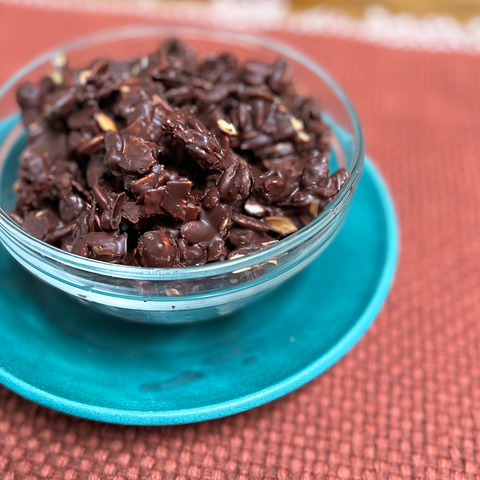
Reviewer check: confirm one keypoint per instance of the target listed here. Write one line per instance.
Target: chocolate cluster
(170, 160)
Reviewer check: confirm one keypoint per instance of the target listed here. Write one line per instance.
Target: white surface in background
(400, 31)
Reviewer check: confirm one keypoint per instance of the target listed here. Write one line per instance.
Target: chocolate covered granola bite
(170, 160)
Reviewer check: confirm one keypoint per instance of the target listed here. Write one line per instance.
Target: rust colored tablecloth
(405, 402)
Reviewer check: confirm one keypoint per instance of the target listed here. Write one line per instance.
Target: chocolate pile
(170, 160)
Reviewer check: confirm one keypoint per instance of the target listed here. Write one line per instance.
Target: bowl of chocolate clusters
(173, 174)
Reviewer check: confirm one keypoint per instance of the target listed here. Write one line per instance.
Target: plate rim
(252, 400)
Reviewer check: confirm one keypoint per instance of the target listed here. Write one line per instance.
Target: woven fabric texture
(405, 402)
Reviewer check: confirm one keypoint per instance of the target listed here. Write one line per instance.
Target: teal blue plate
(62, 354)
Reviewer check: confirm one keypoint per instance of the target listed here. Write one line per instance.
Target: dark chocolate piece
(157, 249)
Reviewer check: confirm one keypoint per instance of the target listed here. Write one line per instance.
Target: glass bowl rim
(152, 273)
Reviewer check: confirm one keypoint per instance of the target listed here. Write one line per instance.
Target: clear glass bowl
(174, 295)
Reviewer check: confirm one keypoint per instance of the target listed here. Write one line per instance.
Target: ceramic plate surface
(67, 356)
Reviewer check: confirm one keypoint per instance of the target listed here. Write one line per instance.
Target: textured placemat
(405, 402)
